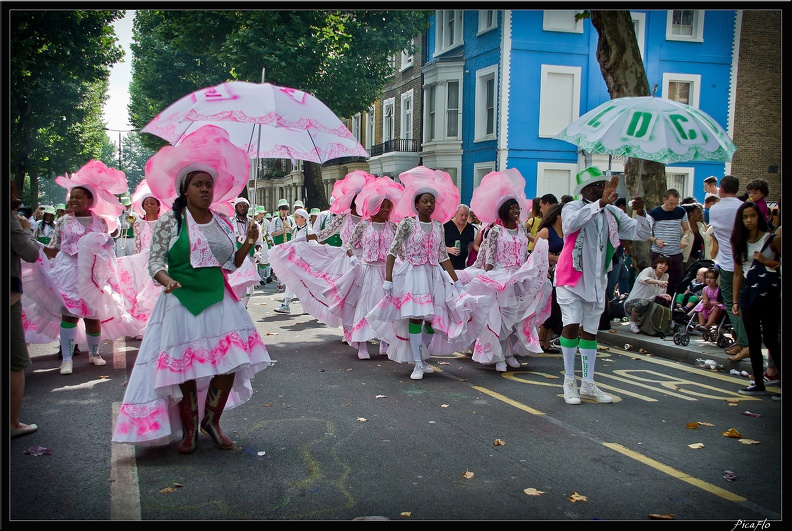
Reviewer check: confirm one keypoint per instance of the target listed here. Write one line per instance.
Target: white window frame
(448, 38)
(435, 98)
(694, 97)
(431, 112)
(407, 110)
(698, 26)
(485, 25)
(392, 61)
(548, 106)
(407, 57)
(688, 173)
(458, 111)
(572, 170)
(480, 169)
(371, 126)
(552, 21)
(639, 22)
(482, 77)
(356, 129)
(388, 129)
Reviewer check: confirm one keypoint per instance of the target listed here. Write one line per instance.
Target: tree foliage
(339, 56)
(60, 66)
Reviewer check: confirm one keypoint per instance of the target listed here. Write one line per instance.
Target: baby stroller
(686, 323)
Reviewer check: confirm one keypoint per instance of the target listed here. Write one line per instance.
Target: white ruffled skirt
(178, 347)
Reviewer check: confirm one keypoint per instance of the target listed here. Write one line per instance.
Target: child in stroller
(685, 322)
(711, 304)
(685, 302)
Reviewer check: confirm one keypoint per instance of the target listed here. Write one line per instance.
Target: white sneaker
(97, 360)
(590, 390)
(418, 371)
(284, 308)
(500, 366)
(66, 367)
(571, 395)
(512, 362)
(427, 368)
(634, 328)
(363, 355)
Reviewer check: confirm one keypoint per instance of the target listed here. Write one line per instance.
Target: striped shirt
(667, 226)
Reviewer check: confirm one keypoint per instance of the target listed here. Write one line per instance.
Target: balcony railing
(403, 145)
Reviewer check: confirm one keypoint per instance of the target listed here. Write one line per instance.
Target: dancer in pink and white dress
(137, 285)
(360, 289)
(81, 273)
(517, 284)
(200, 341)
(420, 286)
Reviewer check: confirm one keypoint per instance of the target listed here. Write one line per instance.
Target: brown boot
(188, 412)
(215, 403)
(744, 353)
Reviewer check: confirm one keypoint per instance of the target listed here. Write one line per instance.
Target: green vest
(335, 239)
(277, 240)
(201, 286)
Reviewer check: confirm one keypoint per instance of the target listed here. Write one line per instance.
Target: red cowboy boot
(188, 412)
(215, 403)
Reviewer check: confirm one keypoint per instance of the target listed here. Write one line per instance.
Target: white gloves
(257, 257)
(388, 287)
(354, 260)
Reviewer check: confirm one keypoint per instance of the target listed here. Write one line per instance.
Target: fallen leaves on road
(577, 497)
(406, 513)
(381, 396)
(499, 442)
(443, 405)
(172, 488)
(732, 433)
(661, 516)
(533, 492)
(696, 446)
(692, 425)
(643, 351)
(361, 419)
(467, 474)
(748, 441)
(272, 333)
(36, 451)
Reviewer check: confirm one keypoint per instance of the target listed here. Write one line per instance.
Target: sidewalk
(619, 335)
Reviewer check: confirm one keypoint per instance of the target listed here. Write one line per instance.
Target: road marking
(124, 487)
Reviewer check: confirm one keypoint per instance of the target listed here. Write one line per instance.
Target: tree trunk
(623, 71)
(314, 188)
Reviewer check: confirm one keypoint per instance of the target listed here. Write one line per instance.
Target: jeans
(726, 282)
(762, 322)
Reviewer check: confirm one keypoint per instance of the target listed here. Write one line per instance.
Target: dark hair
(661, 259)
(689, 200)
(743, 197)
(739, 235)
(180, 202)
(566, 199)
(714, 271)
(671, 192)
(535, 208)
(691, 207)
(620, 201)
(730, 184)
(711, 179)
(710, 199)
(151, 197)
(503, 211)
(550, 216)
(549, 198)
(759, 185)
(415, 199)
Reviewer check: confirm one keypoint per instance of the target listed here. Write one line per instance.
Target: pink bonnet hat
(372, 195)
(495, 189)
(345, 190)
(143, 192)
(206, 149)
(103, 183)
(421, 180)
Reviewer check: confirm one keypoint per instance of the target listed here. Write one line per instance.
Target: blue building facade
(526, 74)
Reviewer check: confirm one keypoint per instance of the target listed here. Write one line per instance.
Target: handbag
(760, 282)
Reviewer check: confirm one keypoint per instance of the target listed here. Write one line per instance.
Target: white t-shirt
(721, 218)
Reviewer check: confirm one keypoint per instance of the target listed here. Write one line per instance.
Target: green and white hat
(299, 204)
(260, 209)
(60, 206)
(126, 200)
(283, 203)
(315, 211)
(268, 215)
(49, 209)
(589, 176)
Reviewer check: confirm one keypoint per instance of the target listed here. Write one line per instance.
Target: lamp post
(119, 131)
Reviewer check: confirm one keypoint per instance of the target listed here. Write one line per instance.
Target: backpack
(656, 321)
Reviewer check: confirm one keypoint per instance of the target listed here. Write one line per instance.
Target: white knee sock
(383, 348)
(93, 344)
(568, 350)
(415, 344)
(588, 357)
(67, 336)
